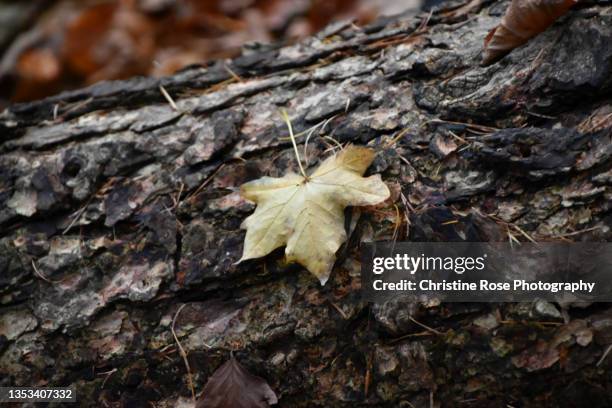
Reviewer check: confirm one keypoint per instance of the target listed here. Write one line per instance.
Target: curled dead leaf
(232, 386)
(307, 213)
(523, 20)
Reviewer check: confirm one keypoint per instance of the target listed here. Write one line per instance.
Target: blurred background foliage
(50, 46)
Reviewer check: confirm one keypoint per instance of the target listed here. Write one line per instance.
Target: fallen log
(119, 208)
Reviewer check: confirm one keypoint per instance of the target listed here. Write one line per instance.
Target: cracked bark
(115, 210)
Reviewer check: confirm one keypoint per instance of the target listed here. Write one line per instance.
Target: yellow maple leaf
(307, 213)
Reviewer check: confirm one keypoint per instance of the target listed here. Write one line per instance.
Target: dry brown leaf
(231, 386)
(307, 214)
(523, 20)
(109, 41)
(546, 353)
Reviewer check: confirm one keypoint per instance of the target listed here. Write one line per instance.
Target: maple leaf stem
(295, 149)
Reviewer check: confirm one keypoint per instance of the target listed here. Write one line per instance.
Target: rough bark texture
(116, 210)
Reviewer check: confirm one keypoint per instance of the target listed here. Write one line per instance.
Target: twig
(424, 23)
(77, 216)
(205, 182)
(398, 137)
(397, 224)
(458, 137)
(168, 97)
(412, 319)
(331, 139)
(232, 73)
(582, 231)
(540, 115)
(519, 229)
(182, 352)
(107, 374)
(311, 131)
(305, 132)
(407, 207)
(78, 105)
(43, 277)
(482, 128)
(177, 200)
(339, 310)
(512, 239)
(604, 355)
(591, 124)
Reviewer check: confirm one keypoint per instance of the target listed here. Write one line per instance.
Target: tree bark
(117, 208)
